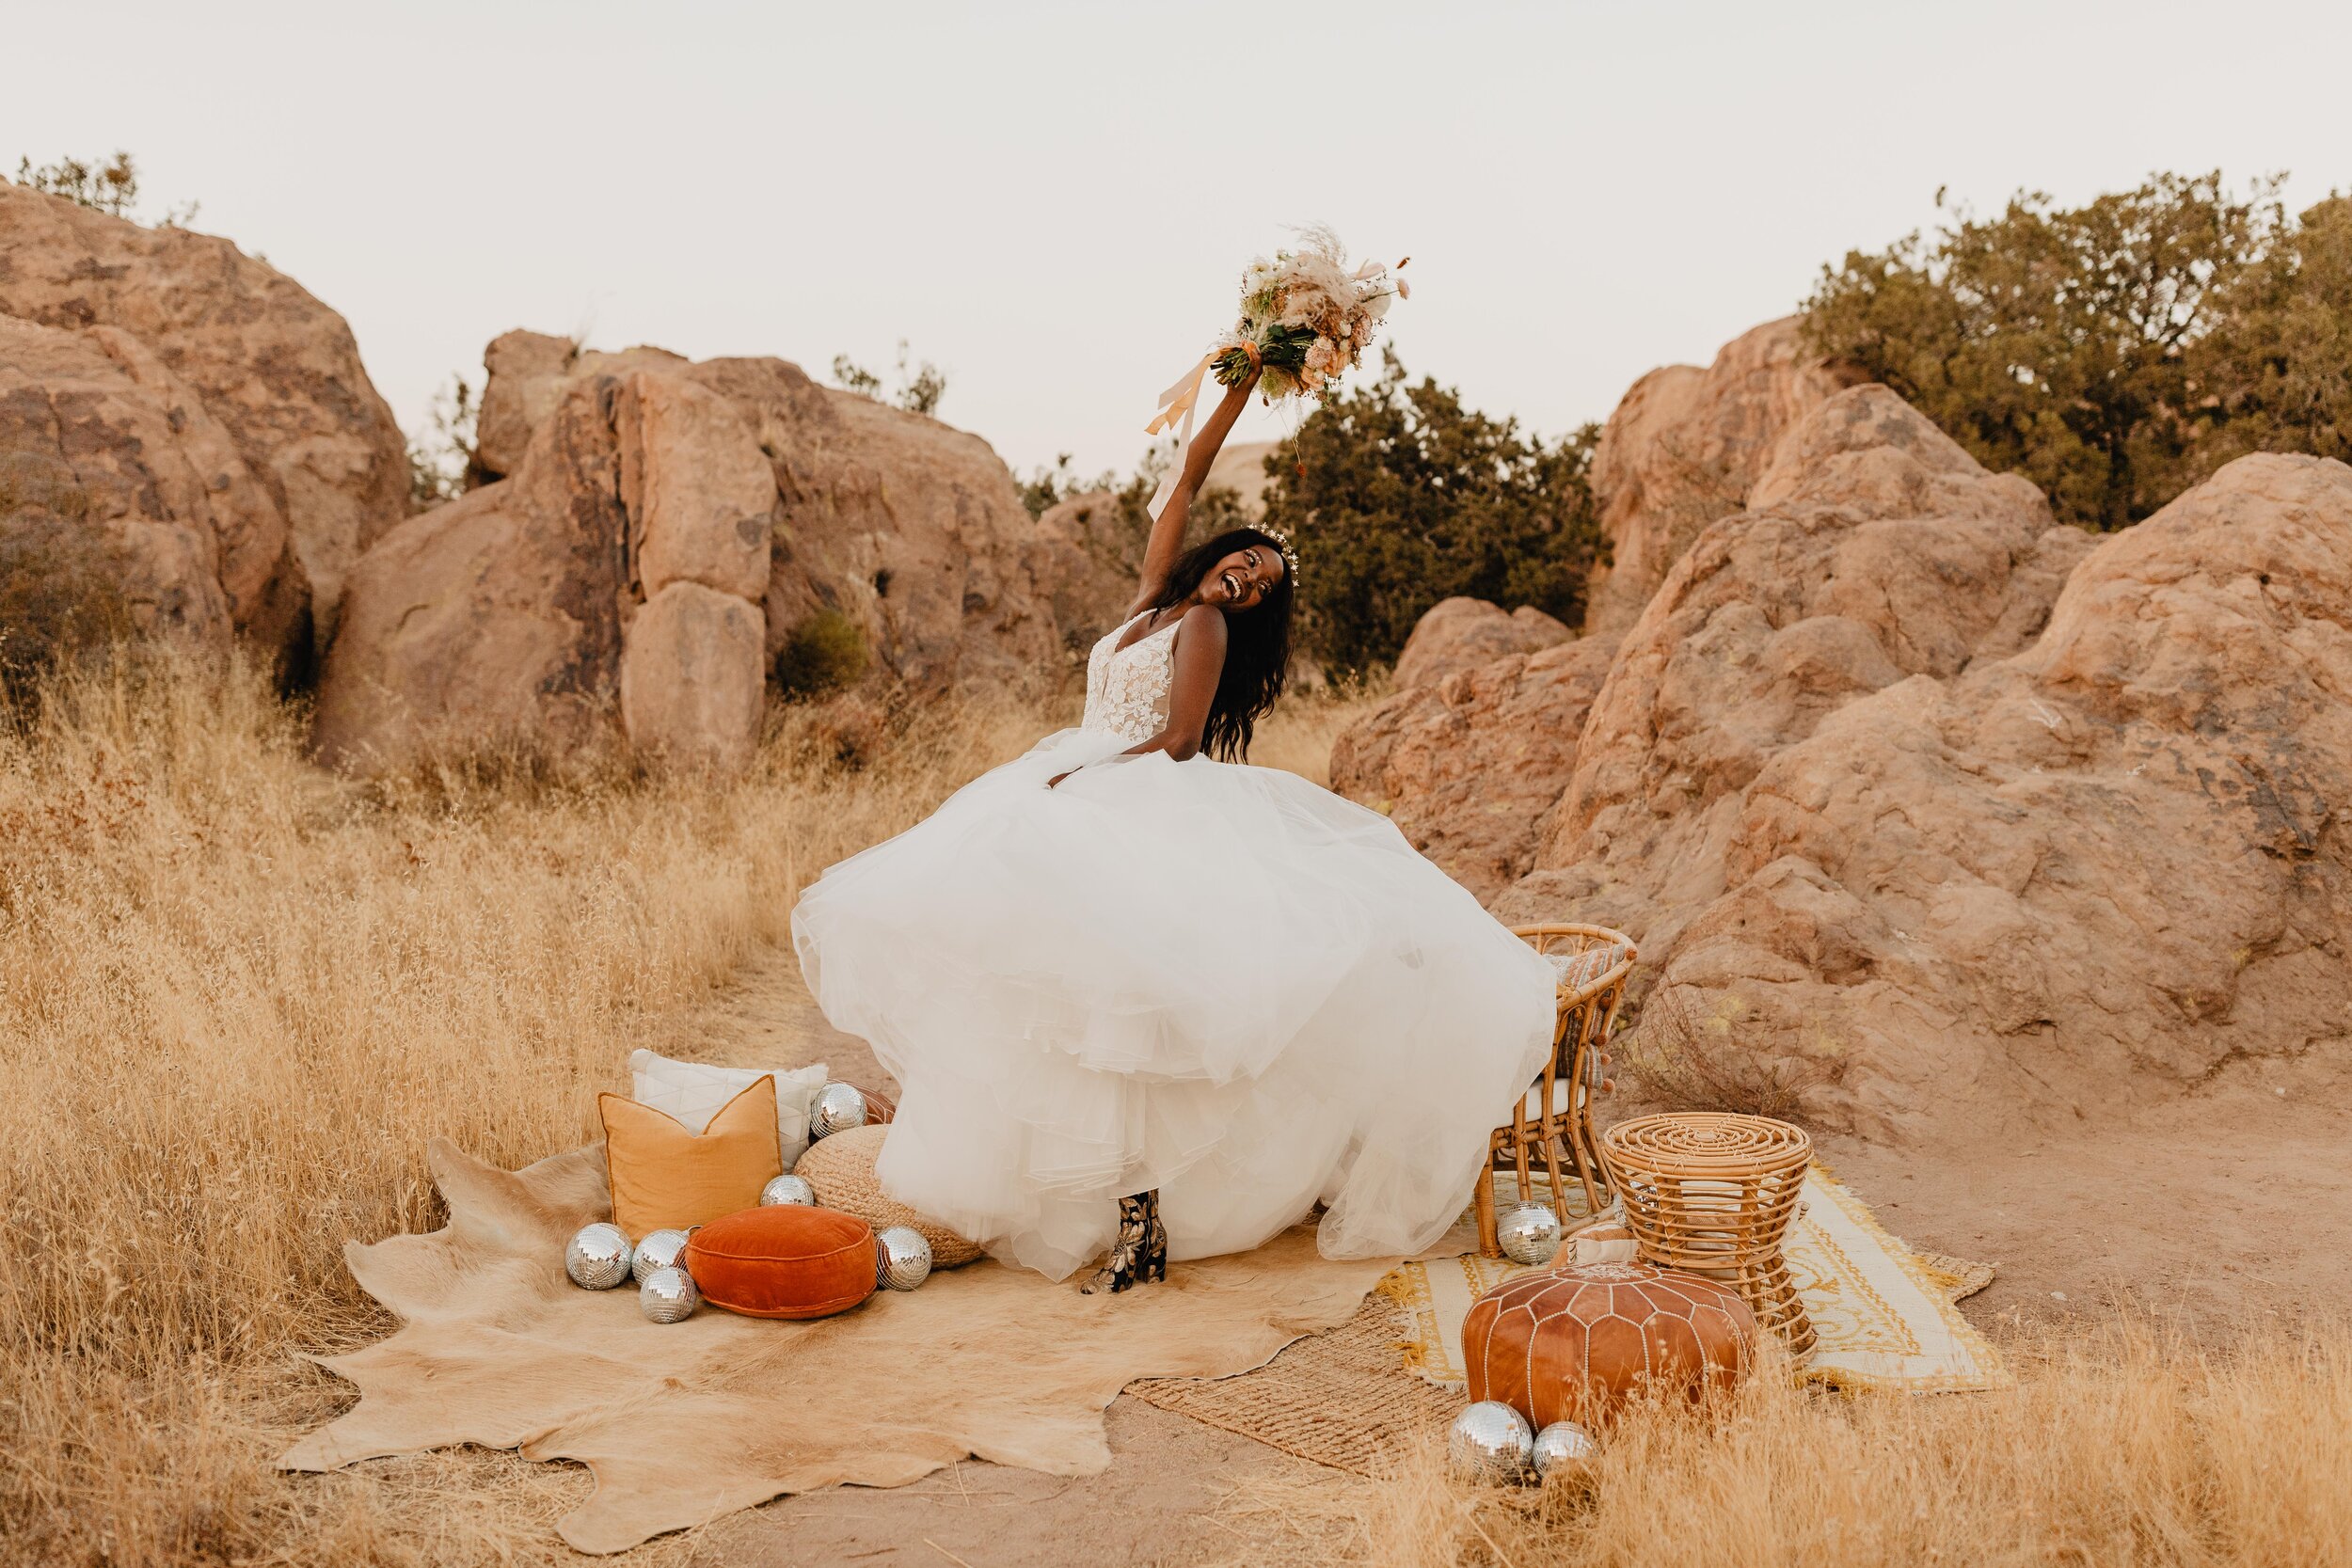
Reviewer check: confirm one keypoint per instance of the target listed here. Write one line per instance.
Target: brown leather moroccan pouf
(1572, 1344)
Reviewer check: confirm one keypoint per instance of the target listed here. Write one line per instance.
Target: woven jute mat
(1350, 1397)
(1343, 1397)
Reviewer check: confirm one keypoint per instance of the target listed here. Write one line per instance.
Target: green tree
(2073, 344)
(1398, 496)
(2281, 361)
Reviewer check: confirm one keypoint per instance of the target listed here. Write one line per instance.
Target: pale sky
(1054, 201)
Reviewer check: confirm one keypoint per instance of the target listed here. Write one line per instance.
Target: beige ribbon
(1178, 404)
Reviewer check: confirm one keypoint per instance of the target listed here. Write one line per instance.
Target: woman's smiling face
(1243, 578)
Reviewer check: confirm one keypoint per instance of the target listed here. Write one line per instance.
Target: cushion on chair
(784, 1260)
(664, 1177)
(694, 1092)
(1578, 969)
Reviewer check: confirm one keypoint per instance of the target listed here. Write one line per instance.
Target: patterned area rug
(1887, 1316)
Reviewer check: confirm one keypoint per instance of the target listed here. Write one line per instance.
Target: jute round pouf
(1714, 1192)
(841, 1169)
(1574, 1343)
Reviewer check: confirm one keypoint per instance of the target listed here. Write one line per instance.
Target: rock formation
(547, 603)
(1682, 449)
(1089, 556)
(265, 362)
(99, 438)
(1463, 633)
(1471, 765)
(1240, 466)
(495, 620)
(1874, 794)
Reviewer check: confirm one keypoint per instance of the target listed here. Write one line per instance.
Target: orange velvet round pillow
(784, 1260)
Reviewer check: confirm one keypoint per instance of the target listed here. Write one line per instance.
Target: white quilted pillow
(694, 1092)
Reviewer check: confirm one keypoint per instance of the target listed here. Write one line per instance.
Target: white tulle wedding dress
(1218, 981)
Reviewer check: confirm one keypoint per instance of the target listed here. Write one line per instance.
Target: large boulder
(1089, 559)
(1884, 804)
(102, 445)
(494, 621)
(1683, 448)
(273, 368)
(1462, 633)
(548, 604)
(913, 529)
(1240, 466)
(1471, 764)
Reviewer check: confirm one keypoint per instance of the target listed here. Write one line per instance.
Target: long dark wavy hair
(1257, 642)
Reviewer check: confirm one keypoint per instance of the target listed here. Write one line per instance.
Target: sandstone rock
(527, 374)
(1868, 808)
(694, 674)
(495, 620)
(1683, 448)
(1240, 466)
(275, 368)
(1470, 765)
(1889, 552)
(913, 529)
(1463, 633)
(97, 434)
(1087, 560)
(696, 486)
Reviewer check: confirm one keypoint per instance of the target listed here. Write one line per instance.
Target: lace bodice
(1127, 688)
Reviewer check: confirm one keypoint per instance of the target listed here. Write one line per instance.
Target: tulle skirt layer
(1218, 981)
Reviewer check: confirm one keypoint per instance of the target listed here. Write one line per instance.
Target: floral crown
(1282, 543)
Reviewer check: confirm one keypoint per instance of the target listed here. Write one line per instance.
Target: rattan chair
(1553, 1121)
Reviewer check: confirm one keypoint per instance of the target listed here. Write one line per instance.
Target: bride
(1143, 998)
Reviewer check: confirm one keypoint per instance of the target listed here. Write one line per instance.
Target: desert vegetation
(241, 992)
(2118, 1445)
(2118, 352)
(1401, 496)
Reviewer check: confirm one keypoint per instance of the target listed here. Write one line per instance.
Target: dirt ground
(2234, 1201)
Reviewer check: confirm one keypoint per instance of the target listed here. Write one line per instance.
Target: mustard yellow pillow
(664, 1177)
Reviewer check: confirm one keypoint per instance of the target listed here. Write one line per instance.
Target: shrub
(111, 186)
(2117, 352)
(825, 652)
(1398, 496)
(919, 391)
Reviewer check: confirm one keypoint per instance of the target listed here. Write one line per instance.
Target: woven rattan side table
(1714, 1194)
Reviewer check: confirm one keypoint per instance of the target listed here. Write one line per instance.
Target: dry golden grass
(2118, 1448)
(237, 994)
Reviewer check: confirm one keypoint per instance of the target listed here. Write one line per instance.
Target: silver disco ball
(598, 1256)
(668, 1296)
(1530, 1233)
(1491, 1443)
(902, 1258)
(1562, 1449)
(786, 1189)
(838, 1108)
(660, 1249)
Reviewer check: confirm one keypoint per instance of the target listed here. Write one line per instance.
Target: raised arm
(1168, 530)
